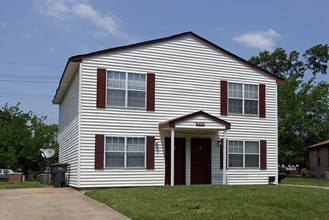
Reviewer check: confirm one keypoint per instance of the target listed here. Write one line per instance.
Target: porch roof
(199, 119)
(319, 145)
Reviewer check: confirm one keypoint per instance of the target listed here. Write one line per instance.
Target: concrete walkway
(307, 186)
(52, 204)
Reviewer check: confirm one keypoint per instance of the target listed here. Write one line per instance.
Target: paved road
(52, 204)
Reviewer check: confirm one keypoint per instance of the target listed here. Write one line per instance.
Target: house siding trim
(79, 121)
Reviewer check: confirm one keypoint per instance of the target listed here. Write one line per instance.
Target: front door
(180, 156)
(200, 161)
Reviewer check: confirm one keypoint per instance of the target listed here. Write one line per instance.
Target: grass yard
(217, 202)
(306, 181)
(26, 184)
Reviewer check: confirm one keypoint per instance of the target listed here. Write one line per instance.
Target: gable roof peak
(72, 61)
(79, 58)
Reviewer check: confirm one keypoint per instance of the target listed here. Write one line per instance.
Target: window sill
(128, 108)
(124, 168)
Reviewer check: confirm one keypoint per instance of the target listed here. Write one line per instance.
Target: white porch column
(172, 165)
(224, 158)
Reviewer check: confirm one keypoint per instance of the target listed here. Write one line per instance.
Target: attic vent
(271, 180)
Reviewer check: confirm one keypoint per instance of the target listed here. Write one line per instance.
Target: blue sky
(38, 36)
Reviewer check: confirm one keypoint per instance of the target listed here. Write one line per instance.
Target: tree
(303, 105)
(21, 137)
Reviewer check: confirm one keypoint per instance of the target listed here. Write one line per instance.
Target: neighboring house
(319, 159)
(55, 137)
(130, 114)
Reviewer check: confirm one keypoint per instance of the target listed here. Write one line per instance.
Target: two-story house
(175, 110)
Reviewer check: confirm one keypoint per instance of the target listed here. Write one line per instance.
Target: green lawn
(306, 181)
(217, 202)
(26, 184)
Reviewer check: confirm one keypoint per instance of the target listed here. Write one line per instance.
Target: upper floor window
(242, 98)
(126, 89)
(243, 154)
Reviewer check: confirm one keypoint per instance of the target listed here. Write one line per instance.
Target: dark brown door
(179, 161)
(200, 161)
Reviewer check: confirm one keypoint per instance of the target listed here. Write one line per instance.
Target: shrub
(5, 178)
(304, 172)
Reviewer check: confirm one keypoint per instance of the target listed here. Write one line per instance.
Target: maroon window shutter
(223, 97)
(150, 100)
(99, 151)
(263, 154)
(262, 101)
(150, 152)
(101, 87)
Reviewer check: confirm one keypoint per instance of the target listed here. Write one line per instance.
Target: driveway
(52, 203)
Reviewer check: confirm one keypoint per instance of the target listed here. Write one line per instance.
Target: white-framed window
(242, 98)
(126, 89)
(125, 152)
(244, 154)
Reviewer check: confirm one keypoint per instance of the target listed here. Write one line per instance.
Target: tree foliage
(21, 137)
(303, 105)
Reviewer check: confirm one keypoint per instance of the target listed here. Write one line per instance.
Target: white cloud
(52, 49)
(3, 24)
(56, 9)
(219, 29)
(105, 21)
(70, 9)
(259, 39)
(26, 35)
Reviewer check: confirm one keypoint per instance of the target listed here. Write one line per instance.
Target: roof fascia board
(64, 84)
(172, 123)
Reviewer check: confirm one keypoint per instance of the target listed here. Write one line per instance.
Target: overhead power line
(27, 81)
(24, 94)
(19, 97)
(27, 76)
(31, 64)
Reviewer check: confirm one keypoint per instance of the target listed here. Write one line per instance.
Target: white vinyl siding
(68, 130)
(187, 79)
